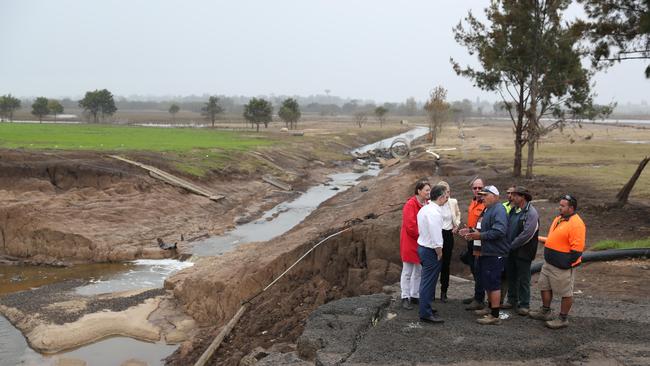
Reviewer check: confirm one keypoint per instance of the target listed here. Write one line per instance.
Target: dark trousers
(479, 292)
(447, 248)
(518, 270)
(430, 272)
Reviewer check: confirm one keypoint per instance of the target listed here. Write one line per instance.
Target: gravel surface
(601, 331)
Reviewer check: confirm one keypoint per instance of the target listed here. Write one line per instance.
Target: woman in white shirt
(450, 223)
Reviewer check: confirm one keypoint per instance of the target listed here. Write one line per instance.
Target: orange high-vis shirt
(474, 212)
(569, 235)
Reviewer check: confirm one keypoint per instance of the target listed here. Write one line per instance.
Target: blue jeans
(430, 271)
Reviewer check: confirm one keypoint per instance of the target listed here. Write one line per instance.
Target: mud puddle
(24, 277)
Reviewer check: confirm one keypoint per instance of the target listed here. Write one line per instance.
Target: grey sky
(382, 50)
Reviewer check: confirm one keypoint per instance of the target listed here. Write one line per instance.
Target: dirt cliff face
(84, 207)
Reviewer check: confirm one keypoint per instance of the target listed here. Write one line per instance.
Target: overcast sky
(384, 50)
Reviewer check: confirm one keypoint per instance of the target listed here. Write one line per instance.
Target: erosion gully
(140, 274)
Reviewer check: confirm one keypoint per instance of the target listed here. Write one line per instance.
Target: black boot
(443, 296)
(406, 304)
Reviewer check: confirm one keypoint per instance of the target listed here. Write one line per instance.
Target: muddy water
(281, 218)
(143, 273)
(19, 278)
(152, 273)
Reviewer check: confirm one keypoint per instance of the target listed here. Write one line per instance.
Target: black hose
(603, 255)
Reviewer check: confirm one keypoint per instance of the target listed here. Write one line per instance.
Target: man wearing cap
(474, 212)
(523, 232)
(562, 254)
(494, 249)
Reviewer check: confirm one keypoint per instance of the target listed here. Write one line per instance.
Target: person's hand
(473, 236)
(439, 253)
(454, 230)
(463, 232)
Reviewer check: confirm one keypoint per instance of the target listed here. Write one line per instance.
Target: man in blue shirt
(494, 250)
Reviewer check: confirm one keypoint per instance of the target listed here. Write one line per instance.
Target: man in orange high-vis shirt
(562, 254)
(474, 211)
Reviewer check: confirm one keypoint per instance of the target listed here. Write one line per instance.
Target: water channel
(152, 273)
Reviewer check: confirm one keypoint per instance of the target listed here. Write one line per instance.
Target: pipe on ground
(603, 255)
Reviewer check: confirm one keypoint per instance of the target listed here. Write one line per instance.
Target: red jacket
(408, 245)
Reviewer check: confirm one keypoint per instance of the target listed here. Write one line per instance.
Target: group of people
(502, 240)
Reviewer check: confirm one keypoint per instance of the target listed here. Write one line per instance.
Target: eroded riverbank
(21, 319)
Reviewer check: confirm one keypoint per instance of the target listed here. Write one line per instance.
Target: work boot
(523, 311)
(482, 312)
(406, 304)
(489, 320)
(475, 305)
(443, 297)
(506, 305)
(557, 323)
(542, 314)
(468, 300)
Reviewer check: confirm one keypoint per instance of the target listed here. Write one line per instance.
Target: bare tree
(437, 110)
(360, 118)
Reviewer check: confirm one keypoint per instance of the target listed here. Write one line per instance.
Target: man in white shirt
(430, 251)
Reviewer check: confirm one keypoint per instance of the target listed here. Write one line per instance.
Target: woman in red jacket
(408, 245)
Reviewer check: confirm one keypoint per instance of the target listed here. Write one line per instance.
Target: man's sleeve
(436, 226)
(530, 228)
(577, 236)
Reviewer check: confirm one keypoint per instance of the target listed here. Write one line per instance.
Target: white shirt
(450, 214)
(430, 226)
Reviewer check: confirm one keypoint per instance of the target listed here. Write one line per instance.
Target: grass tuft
(615, 244)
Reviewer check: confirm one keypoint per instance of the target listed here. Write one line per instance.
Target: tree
(531, 58)
(212, 109)
(290, 112)
(55, 107)
(437, 110)
(173, 109)
(258, 111)
(98, 102)
(380, 113)
(40, 108)
(461, 110)
(618, 30)
(360, 118)
(8, 104)
(411, 106)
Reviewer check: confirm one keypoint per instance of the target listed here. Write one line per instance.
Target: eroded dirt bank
(360, 261)
(87, 207)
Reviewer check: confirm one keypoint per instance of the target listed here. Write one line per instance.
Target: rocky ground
(374, 330)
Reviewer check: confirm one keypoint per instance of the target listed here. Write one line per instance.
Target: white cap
(489, 189)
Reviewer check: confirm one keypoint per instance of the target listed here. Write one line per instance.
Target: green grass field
(614, 244)
(111, 137)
